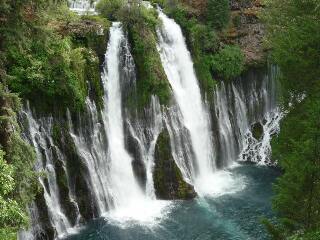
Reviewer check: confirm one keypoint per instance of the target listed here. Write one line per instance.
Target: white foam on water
(220, 183)
(150, 213)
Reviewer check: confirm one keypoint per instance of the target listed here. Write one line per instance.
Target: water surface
(234, 216)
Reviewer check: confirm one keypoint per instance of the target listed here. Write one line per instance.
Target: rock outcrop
(247, 30)
(168, 181)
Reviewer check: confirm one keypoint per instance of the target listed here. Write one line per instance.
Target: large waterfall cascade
(116, 189)
(204, 137)
(224, 137)
(178, 66)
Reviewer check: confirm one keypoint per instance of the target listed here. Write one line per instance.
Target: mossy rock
(168, 181)
(151, 77)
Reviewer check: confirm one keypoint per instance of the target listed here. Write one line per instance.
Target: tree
(297, 191)
(109, 8)
(218, 13)
(294, 37)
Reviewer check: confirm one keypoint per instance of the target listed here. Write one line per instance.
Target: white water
(129, 201)
(39, 135)
(124, 188)
(196, 145)
(82, 6)
(237, 107)
(147, 135)
(178, 66)
(91, 146)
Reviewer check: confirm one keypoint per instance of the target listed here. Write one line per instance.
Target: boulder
(168, 180)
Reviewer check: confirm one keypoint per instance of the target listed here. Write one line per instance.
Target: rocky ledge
(247, 30)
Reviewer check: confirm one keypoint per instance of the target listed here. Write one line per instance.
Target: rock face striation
(247, 30)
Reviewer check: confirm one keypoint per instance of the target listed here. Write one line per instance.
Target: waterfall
(178, 66)
(124, 189)
(201, 143)
(127, 199)
(82, 6)
(237, 107)
(204, 136)
(146, 135)
(40, 137)
(91, 145)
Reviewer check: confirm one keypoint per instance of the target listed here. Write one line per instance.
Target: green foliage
(109, 8)
(203, 38)
(52, 56)
(218, 13)
(18, 181)
(11, 213)
(293, 34)
(8, 234)
(6, 179)
(138, 15)
(228, 62)
(48, 69)
(297, 201)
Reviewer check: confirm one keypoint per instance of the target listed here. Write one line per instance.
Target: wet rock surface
(247, 30)
(168, 180)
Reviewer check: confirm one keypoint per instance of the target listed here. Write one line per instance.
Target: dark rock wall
(168, 181)
(247, 30)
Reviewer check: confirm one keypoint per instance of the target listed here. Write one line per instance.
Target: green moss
(92, 76)
(168, 180)
(151, 78)
(141, 25)
(8, 233)
(55, 57)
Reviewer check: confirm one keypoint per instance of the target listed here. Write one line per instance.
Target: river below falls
(234, 215)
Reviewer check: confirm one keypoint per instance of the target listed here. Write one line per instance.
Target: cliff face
(247, 30)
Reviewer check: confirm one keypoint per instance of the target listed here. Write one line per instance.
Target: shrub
(109, 8)
(48, 69)
(18, 181)
(203, 38)
(228, 63)
(218, 13)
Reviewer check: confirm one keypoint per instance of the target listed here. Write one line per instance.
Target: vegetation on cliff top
(202, 23)
(140, 24)
(44, 59)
